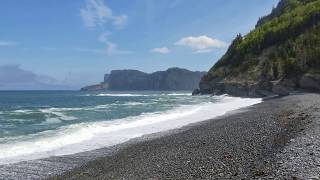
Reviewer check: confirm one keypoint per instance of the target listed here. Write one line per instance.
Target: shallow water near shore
(39, 124)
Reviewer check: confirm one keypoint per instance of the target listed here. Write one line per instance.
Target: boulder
(280, 90)
(310, 82)
(196, 92)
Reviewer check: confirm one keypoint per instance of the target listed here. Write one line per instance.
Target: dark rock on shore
(196, 92)
(282, 87)
(259, 89)
(310, 81)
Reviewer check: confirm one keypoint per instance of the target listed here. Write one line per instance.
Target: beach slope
(278, 138)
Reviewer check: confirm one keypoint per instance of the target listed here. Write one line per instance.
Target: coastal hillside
(282, 54)
(173, 79)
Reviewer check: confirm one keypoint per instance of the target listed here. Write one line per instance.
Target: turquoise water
(29, 112)
(55, 122)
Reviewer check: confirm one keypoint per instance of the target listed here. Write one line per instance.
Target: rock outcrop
(96, 87)
(310, 81)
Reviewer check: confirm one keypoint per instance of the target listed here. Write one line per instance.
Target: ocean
(40, 124)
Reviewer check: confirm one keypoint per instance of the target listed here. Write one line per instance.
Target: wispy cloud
(110, 47)
(120, 21)
(161, 50)
(7, 43)
(201, 44)
(88, 50)
(97, 13)
(110, 50)
(104, 37)
(200, 51)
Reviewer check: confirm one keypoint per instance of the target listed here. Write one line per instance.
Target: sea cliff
(173, 79)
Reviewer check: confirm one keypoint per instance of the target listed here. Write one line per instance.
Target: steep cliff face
(280, 55)
(106, 77)
(171, 79)
(175, 79)
(128, 80)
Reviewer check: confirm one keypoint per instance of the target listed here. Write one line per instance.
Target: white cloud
(161, 50)
(7, 43)
(97, 13)
(201, 44)
(200, 51)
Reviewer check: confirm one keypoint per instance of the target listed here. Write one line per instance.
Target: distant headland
(173, 79)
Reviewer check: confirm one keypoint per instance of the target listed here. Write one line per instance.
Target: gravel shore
(277, 139)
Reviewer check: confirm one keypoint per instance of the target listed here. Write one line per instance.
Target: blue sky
(74, 42)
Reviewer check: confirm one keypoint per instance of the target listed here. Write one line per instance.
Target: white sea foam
(51, 121)
(130, 103)
(22, 111)
(89, 136)
(56, 112)
(135, 103)
(65, 109)
(122, 95)
(17, 120)
(103, 106)
(178, 94)
(137, 95)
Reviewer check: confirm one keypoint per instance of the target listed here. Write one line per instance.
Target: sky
(67, 44)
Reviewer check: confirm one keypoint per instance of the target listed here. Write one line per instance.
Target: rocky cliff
(282, 54)
(173, 79)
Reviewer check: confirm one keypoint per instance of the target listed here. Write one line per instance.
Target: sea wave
(129, 103)
(51, 121)
(132, 103)
(102, 106)
(178, 94)
(89, 136)
(18, 112)
(23, 111)
(56, 112)
(138, 95)
(117, 95)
